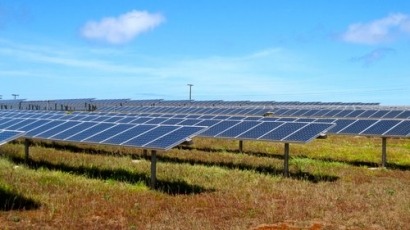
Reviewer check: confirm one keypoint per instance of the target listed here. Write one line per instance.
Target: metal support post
(26, 150)
(153, 168)
(384, 152)
(240, 146)
(286, 161)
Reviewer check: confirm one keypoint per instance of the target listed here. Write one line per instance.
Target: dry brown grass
(209, 187)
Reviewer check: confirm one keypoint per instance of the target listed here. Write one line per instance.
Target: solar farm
(206, 164)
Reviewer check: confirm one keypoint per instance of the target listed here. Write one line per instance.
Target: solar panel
(402, 129)
(174, 138)
(219, 128)
(84, 134)
(73, 130)
(44, 128)
(58, 129)
(238, 129)
(16, 124)
(260, 130)
(282, 131)
(404, 115)
(309, 132)
(341, 124)
(150, 135)
(380, 127)
(357, 127)
(107, 133)
(9, 135)
(128, 134)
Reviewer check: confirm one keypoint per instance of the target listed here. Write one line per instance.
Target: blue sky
(347, 51)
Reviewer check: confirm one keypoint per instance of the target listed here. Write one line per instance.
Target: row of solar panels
(143, 136)
(283, 112)
(344, 113)
(186, 110)
(368, 127)
(260, 130)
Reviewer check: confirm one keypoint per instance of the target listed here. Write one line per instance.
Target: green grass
(208, 186)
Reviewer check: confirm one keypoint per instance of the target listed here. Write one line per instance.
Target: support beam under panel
(153, 169)
(240, 146)
(286, 161)
(384, 151)
(26, 150)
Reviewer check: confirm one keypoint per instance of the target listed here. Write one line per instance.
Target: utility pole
(15, 96)
(190, 91)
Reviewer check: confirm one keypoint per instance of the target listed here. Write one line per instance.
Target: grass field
(334, 184)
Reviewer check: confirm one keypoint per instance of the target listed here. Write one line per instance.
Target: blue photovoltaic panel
(368, 113)
(126, 119)
(252, 118)
(73, 130)
(207, 123)
(332, 113)
(404, 115)
(221, 117)
(100, 118)
(43, 128)
(393, 114)
(108, 133)
(379, 114)
(340, 124)
(174, 138)
(18, 123)
(34, 125)
(325, 120)
(219, 128)
(402, 129)
(156, 121)
(380, 127)
(356, 113)
(51, 132)
(238, 129)
(283, 131)
(141, 120)
(9, 135)
(89, 118)
(260, 130)
(357, 127)
(308, 132)
(173, 121)
(190, 122)
(99, 127)
(128, 134)
(9, 122)
(77, 117)
(150, 136)
(4, 120)
(114, 119)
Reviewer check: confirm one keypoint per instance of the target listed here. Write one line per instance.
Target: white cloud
(378, 31)
(121, 29)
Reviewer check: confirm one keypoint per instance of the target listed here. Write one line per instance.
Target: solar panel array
(146, 136)
(98, 128)
(374, 113)
(364, 127)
